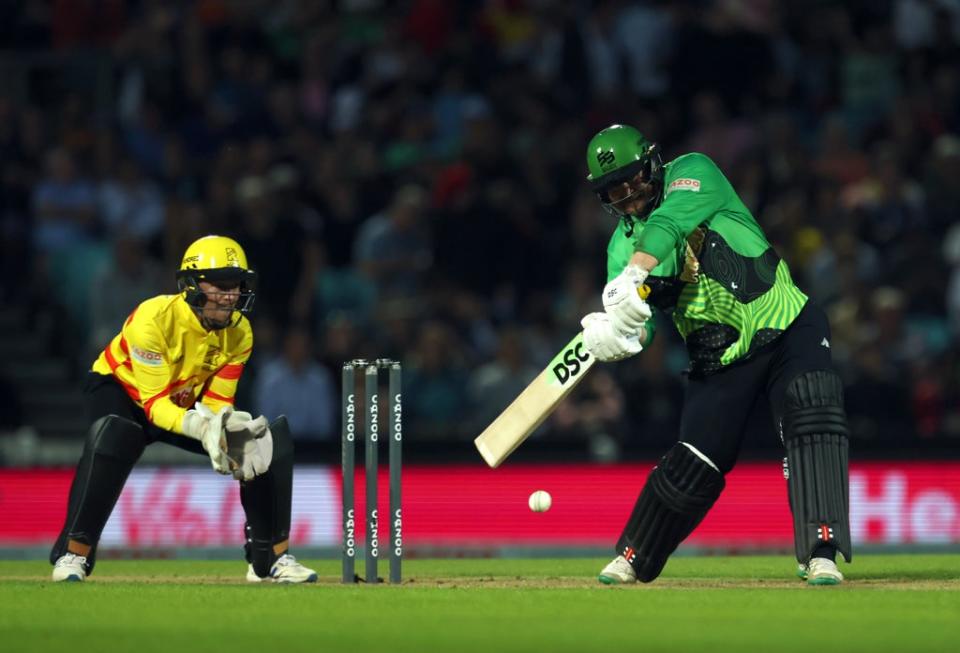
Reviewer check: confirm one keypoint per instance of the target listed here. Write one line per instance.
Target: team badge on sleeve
(151, 358)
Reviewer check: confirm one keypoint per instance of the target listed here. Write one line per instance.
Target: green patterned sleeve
(694, 189)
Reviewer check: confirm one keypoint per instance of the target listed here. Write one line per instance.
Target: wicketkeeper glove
(201, 424)
(249, 445)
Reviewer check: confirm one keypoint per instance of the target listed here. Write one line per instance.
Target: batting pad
(678, 494)
(815, 435)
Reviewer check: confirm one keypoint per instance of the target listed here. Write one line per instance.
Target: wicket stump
(371, 410)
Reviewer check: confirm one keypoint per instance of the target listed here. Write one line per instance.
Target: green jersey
(724, 286)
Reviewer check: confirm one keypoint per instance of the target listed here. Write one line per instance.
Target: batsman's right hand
(624, 300)
(605, 341)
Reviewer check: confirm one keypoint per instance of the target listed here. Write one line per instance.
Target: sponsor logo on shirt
(684, 184)
(151, 358)
(183, 397)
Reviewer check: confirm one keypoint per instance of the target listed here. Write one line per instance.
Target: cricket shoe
(285, 570)
(71, 568)
(821, 571)
(618, 572)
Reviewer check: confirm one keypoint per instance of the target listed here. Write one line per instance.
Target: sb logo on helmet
(606, 159)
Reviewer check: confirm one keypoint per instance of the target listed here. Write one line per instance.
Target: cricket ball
(540, 501)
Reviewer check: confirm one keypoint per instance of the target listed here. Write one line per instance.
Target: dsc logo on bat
(569, 362)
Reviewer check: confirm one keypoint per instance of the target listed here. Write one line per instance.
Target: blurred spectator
(837, 160)
(392, 248)
(896, 339)
(594, 412)
(713, 133)
(869, 83)
(294, 384)
(492, 386)
(127, 278)
(839, 257)
(341, 340)
(878, 401)
(889, 201)
(279, 250)
(578, 295)
(64, 205)
(434, 382)
(131, 204)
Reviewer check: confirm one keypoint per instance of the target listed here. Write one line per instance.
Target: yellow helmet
(214, 253)
(219, 260)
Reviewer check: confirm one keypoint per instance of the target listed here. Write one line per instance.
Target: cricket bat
(537, 401)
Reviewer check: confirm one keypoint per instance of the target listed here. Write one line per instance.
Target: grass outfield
(890, 603)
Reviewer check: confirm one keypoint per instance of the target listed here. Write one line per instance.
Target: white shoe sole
(253, 578)
(312, 578)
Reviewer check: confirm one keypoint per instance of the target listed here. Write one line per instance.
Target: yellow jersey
(166, 360)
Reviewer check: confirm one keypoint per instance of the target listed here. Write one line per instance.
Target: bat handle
(643, 291)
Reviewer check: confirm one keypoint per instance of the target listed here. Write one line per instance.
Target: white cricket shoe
(618, 572)
(823, 571)
(71, 568)
(285, 570)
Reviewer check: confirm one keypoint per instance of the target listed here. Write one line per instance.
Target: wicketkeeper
(752, 336)
(170, 375)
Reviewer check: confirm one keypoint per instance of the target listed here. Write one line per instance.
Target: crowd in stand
(408, 180)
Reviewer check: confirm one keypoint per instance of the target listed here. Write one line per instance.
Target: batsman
(170, 376)
(752, 336)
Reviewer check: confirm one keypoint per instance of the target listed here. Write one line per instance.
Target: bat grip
(643, 291)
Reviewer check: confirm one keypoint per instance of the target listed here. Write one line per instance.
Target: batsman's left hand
(249, 445)
(623, 302)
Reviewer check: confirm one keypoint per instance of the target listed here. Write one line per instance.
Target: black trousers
(266, 499)
(103, 396)
(720, 409)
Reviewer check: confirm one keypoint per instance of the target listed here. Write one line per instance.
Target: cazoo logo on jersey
(151, 358)
(684, 184)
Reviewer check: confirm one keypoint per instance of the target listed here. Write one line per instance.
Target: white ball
(540, 501)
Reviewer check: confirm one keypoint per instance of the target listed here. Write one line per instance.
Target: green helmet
(618, 154)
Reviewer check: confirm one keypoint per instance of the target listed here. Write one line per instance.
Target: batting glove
(622, 300)
(605, 341)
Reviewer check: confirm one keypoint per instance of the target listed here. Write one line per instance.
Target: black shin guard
(112, 448)
(677, 495)
(816, 437)
(267, 502)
